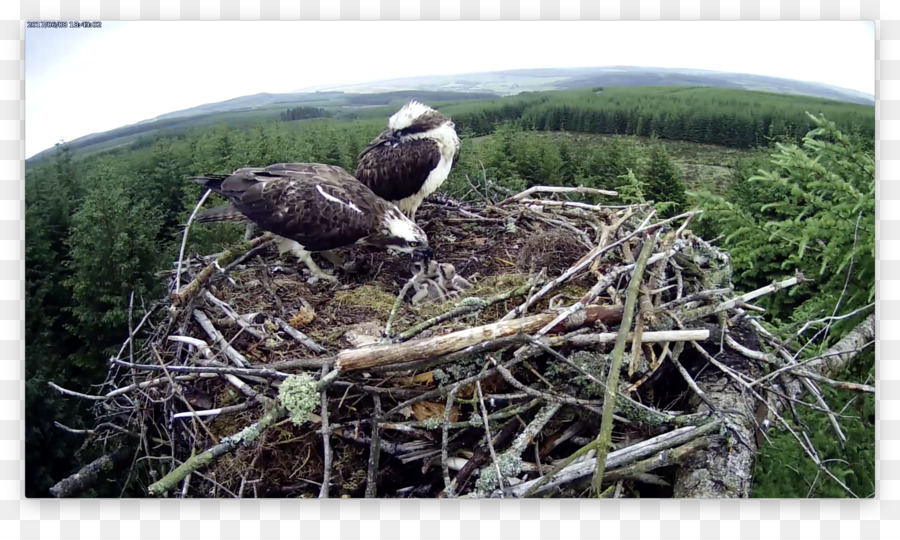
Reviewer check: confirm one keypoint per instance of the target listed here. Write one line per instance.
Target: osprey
(411, 159)
(313, 207)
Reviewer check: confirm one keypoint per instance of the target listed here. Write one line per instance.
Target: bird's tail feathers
(220, 213)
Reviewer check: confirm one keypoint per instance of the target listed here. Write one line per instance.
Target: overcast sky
(82, 81)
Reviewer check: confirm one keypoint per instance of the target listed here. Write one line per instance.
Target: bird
(313, 207)
(410, 160)
(436, 282)
(450, 280)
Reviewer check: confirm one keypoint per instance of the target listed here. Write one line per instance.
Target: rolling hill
(444, 89)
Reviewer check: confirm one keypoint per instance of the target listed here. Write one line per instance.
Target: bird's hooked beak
(423, 254)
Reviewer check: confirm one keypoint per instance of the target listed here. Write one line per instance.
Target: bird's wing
(320, 206)
(395, 172)
(382, 138)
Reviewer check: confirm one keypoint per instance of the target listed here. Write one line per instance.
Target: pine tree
(663, 182)
(113, 252)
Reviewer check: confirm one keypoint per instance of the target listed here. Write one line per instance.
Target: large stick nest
(228, 344)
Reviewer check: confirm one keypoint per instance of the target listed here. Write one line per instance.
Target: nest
(248, 381)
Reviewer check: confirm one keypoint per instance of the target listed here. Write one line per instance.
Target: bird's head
(414, 119)
(400, 234)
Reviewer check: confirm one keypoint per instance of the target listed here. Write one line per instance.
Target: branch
(184, 238)
(229, 444)
(88, 475)
(558, 189)
(438, 346)
(191, 290)
(614, 460)
(612, 382)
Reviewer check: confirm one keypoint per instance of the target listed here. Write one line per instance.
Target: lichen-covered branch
(618, 356)
(229, 444)
(194, 287)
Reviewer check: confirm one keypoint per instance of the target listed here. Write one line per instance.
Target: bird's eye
(413, 244)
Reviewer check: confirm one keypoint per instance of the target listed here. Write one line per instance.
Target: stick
(435, 347)
(612, 381)
(395, 308)
(228, 444)
(558, 189)
(487, 434)
(184, 238)
(214, 412)
(88, 475)
(614, 460)
(328, 456)
(374, 452)
(665, 458)
(703, 312)
(217, 338)
(448, 486)
(464, 308)
(191, 290)
(232, 314)
(300, 336)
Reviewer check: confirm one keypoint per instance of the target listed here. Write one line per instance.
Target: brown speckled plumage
(397, 163)
(292, 201)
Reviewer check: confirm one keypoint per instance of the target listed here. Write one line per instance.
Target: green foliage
(663, 182)
(728, 117)
(811, 208)
(783, 469)
(303, 113)
(113, 252)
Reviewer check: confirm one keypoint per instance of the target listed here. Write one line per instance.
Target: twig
(184, 238)
(558, 189)
(666, 458)
(228, 444)
(300, 336)
(395, 308)
(215, 412)
(469, 305)
(232, 315)
(217, 338)
(327, 453)
(703, 312)
(487, 434)
(448, 486)
(194, 286)
(374, 452)
(567, 472)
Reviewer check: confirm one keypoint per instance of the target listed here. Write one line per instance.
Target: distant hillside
(521, 80)
(249, 109)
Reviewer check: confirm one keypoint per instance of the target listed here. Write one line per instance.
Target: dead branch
(612, 381)
(191, 290)
(229, 444)
(615, 460)
(558, 189)
(88, 475)
(184, 238)
(438, 346)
